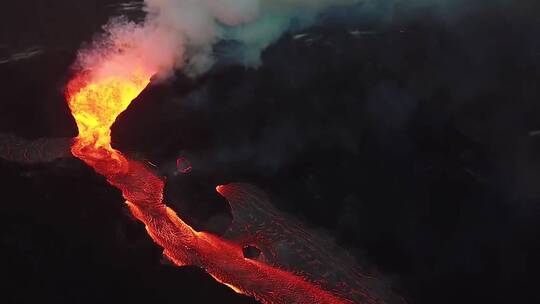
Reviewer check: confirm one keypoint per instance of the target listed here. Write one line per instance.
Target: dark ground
(411, 142)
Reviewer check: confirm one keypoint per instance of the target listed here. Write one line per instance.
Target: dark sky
(405, 132)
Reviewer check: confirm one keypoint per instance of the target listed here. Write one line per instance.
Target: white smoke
(182, 34)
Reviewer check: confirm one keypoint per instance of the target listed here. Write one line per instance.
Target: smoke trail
(182, 34)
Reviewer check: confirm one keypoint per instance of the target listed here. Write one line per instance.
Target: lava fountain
(95, 105)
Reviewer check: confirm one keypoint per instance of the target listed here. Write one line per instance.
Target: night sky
(406, 132)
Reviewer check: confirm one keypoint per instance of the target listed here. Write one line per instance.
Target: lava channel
(95, 105)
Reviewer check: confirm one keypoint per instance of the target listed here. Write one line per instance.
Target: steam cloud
(183, 33)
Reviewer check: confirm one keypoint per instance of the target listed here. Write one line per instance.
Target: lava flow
(95, 105)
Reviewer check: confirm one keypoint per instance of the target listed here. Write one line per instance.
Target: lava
(95, 105)
(183, 165)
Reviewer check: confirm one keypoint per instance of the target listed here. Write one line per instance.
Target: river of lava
(95, 105)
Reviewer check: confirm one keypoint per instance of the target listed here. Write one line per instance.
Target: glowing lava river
(95, 104)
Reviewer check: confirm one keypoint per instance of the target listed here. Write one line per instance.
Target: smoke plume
(182, 34)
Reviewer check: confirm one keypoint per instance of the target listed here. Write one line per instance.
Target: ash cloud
(182, 34)
(193, 35)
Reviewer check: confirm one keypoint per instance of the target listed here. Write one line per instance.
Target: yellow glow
(96, 105)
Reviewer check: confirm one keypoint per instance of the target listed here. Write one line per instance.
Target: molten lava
(95, 105)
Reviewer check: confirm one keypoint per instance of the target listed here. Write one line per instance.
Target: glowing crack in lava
(292, 265)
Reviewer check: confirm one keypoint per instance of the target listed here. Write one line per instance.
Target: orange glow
(219, 188)
(95, 105)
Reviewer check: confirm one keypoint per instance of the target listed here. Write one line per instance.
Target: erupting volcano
(95, 105)
(288, 263)
(315, 277)
(270, 151)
